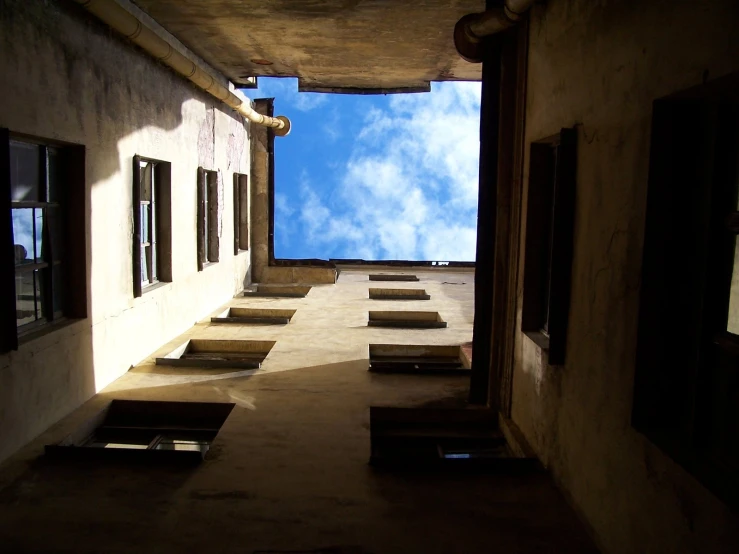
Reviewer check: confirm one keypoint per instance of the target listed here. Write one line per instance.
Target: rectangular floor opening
(205, 353)
(406, 319)
(279, 291)
(147, 431)
(418, 359)
(398, 294)
(254, 316)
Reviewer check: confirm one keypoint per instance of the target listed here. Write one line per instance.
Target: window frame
(550, 223)
(73, 216)
(147, 423)
(208, 251)
(50, 262)
(160, 227)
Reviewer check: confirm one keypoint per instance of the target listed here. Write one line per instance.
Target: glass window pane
(25, 305)
(23, 228)
(56, 175)
(182, 445)
(145, 232)
(38, 215)
(733, 322)
(147, 171)
(24, 172)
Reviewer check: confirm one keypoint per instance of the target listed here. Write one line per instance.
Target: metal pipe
(472, 28)
(111, 13)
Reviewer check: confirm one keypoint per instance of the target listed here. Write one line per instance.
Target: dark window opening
(149, 431)
(686, 387)
(549, 235)
(406, 320)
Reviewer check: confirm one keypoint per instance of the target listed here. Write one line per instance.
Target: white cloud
(409, 189)
(284, 223)
(306, 101)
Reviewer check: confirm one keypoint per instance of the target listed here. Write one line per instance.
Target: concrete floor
(288, 472)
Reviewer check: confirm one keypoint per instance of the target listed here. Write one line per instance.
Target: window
(254, 316)
(549, 231)
(230, 354)
(686, 384)
(139, 430)
(443, 439)
(279, 291)
(44, 235)
(241, 212)
(398, 294)
(418, 359)
(208, 215)
(152, 224)
(406, 320)
(392, 277)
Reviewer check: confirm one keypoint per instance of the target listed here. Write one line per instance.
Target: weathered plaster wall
(599, 65)
(329, 325)
(288, 471)
(68, 77)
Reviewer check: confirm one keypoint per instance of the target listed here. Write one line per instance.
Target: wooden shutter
(213, 250)
(76, 213)
(136, 205)
(201, 218)
(550, 216)
(563, 224)
(8, 321)
(243, 212)
(164, 219)
(237, 211)
(538, 239)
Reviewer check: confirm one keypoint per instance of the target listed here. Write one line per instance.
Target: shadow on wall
(304, 444)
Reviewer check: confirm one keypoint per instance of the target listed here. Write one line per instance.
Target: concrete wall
(288, 470)
(329, 325)
(69, 78)
(599, 65)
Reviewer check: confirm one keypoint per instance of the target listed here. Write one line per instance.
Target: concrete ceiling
(365, 45)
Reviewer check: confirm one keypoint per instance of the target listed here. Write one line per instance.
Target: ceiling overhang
(360, 46)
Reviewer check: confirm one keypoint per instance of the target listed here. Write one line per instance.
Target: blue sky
(376, 176)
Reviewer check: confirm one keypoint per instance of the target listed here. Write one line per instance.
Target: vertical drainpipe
(486, 222)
